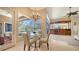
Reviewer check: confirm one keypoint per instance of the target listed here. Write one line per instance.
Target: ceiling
(37, 8)
(5, 13)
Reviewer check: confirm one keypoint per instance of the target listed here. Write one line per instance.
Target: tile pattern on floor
(19, 47)
(54, 45)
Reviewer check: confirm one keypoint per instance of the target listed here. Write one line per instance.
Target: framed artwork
(8, 27)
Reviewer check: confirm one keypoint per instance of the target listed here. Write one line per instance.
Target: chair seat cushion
(43, 39)
(34, 39)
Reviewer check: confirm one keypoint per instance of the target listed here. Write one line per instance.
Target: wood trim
(60, 22)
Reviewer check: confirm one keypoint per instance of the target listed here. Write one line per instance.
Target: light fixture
(35, 14)
(72, 12)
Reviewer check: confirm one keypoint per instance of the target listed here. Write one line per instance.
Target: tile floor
(54, 45)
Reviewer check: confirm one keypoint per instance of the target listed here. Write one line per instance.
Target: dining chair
(44, 39)
(29, 41)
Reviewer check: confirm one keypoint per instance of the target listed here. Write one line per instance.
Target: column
(43, 26)
(15, 26)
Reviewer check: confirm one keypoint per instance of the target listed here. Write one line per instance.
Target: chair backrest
(40, 33)
(26, 38)
(48, 36)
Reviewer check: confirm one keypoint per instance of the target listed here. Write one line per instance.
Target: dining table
(34, 34)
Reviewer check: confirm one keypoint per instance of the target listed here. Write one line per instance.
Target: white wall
(59, 12)
(49, 11)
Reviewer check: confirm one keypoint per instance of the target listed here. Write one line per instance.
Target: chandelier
(35, 14)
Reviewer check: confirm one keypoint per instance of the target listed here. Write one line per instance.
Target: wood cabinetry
(60, 31)
(61, 28)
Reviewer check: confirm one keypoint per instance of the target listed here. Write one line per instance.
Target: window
(8, 27)
(29, 25)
